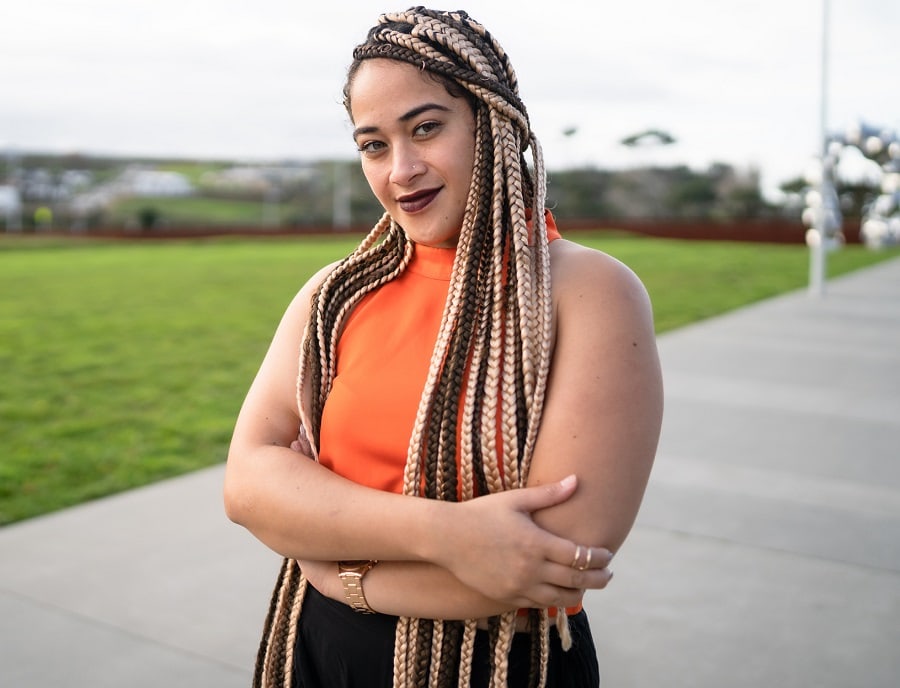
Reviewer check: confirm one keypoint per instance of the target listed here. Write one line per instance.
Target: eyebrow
(405, 117)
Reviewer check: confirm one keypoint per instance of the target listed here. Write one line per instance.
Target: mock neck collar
(437, 263)
(432, 262)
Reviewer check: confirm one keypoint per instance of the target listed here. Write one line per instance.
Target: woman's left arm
(604, 402)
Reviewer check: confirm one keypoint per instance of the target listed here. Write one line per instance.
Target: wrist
(351, 574)
(434, 531)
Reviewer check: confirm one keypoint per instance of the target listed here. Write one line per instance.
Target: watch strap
(351, 574)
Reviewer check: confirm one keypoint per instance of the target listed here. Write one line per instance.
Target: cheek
(373, 178)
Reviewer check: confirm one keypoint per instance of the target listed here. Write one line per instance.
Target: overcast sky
(737, 81)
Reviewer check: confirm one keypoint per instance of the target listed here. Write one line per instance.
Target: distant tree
(694, 196)
(148, 217)
(579, 194)
(797, 185)
(855, 197)
(738, 193)
(653, 137)
(744, 202)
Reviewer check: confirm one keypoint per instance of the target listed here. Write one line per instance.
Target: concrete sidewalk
(767, 551)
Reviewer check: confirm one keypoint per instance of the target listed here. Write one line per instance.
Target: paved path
(767, 552)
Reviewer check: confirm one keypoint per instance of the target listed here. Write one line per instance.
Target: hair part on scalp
(491, 360)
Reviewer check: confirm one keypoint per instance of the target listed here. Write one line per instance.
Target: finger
(586, 557)
(567, 553)
(589, 580)
(575, 579)
(302, 447)
(546, 595)
(542, 496)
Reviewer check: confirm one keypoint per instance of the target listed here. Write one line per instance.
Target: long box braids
(491, 361)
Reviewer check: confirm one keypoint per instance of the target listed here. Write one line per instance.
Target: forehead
(383, 88)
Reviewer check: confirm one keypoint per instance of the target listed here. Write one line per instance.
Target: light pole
(817, 244)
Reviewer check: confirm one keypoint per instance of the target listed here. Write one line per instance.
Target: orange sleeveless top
(383, 357)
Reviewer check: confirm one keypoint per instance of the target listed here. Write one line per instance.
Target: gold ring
(577, 557)
(587, 561)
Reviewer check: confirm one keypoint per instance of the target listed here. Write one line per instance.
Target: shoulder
(588, 281)
(303, 299)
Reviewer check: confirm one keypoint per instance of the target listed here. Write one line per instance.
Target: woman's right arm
(292, 504)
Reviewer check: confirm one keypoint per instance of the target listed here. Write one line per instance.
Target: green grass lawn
(195, 210)
(125, 363)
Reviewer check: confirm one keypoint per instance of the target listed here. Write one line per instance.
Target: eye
(427, 128)
(370, 148)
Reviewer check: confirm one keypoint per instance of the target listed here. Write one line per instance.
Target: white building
(150, 183)
(11, 208)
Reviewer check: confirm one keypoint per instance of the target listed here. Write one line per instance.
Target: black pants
(340, 648)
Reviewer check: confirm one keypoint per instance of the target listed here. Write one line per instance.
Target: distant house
(11, 207)
(258, 178)
(154, 183)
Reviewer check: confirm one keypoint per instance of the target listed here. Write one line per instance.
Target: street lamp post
(817, 247)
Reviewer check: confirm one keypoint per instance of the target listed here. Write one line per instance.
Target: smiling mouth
(411, 203)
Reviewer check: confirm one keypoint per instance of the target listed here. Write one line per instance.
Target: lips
(411, 203)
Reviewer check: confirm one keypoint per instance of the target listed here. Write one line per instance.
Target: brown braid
(492, 355)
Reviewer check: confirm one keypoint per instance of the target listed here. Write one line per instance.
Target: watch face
(355, 566)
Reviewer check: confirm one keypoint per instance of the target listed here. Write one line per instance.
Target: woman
(478, 399)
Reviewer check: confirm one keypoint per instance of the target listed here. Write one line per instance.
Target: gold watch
(351, 574)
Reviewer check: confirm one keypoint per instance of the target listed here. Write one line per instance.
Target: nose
(405, 166)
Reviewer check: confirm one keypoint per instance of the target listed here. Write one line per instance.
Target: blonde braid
(542, 297)
(274, 663)
(437, 650)
(403, 671)
(467, 652)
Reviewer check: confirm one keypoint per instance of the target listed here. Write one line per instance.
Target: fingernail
(568, 481)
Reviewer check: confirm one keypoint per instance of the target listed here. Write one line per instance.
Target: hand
(495, 547)
(322, 575)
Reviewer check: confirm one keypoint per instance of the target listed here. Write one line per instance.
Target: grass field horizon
(126, 362)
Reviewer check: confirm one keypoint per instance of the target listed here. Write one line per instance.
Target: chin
(430, 236)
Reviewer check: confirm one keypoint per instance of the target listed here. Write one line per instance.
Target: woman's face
(417, 146)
